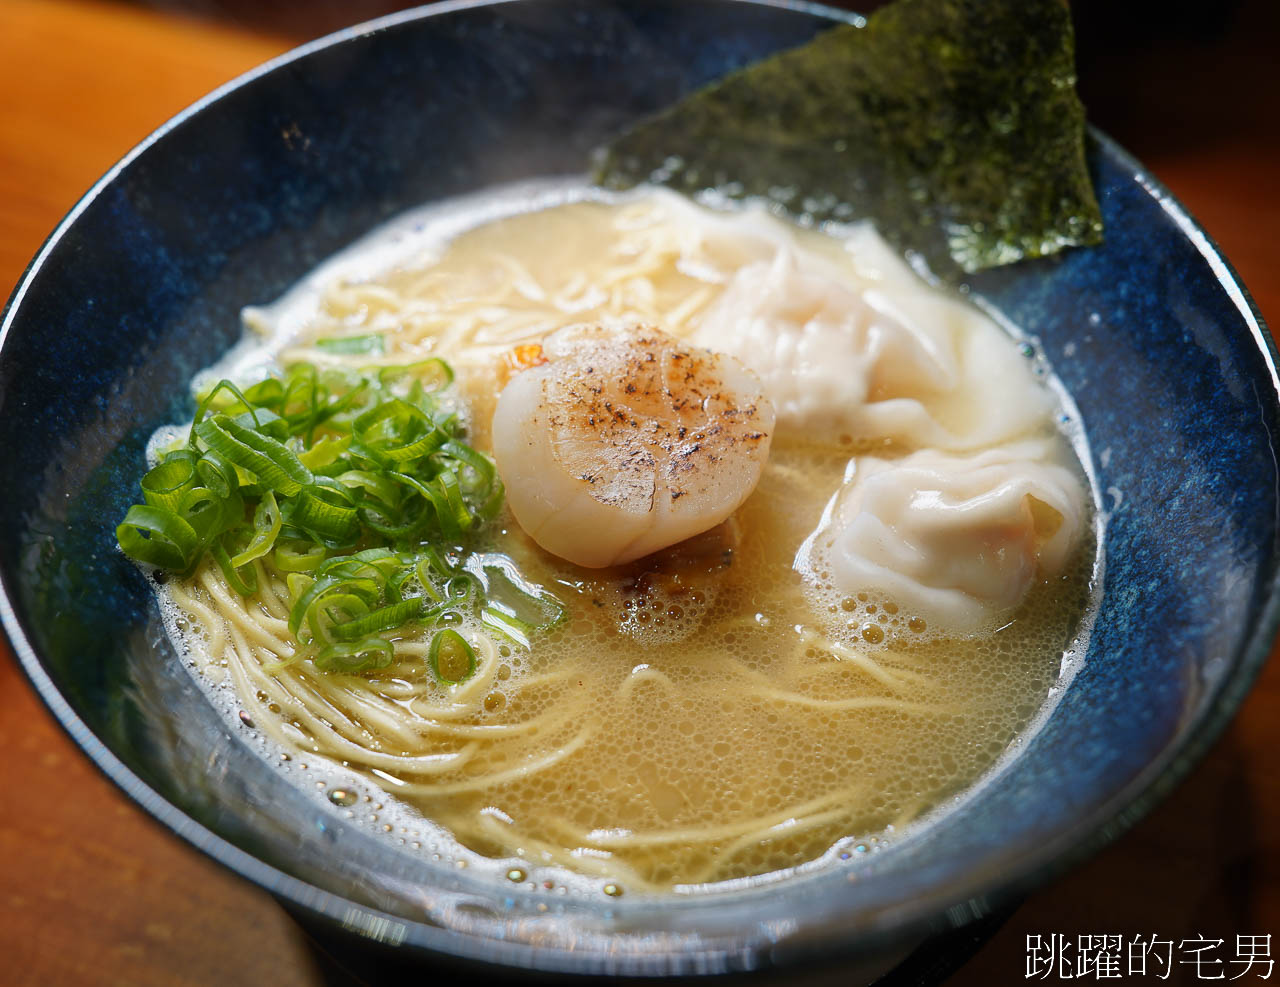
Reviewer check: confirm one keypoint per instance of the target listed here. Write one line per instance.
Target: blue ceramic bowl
(234, 200)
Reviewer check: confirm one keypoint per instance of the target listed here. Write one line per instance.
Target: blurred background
(94, 893)
(1124, 50)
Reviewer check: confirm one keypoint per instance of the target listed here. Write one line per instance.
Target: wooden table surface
(95, 893)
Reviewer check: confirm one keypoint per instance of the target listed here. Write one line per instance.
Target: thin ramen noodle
(732, 706)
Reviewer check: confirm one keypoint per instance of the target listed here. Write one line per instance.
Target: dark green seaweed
(952, 124)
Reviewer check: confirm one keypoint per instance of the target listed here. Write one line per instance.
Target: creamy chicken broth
(849, 651)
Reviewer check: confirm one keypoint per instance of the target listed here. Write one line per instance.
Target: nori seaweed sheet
(953, 125)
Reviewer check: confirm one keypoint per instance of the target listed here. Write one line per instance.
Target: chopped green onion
(331, 610)
(365, 590)
(374, 342)
(208, 514)
(361, 656)
(268, 393)
(244, 585)
(164, 485)
(384, 619)
(297, 556)
(357, 488)
(266, 527)
(211, 397)
(158, 537)
(451, 658)
(437, 497)
(217, 474)
(315, 513)
(325, 452)
(266, 458)
(433, 374)
(506, 624)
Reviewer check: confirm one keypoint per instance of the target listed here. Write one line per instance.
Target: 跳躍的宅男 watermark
(1113, 957)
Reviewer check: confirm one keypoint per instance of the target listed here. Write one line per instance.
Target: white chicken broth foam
(747, 702)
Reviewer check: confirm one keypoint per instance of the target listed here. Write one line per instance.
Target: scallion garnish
(373, 342)
(451, 658)
(360, 489)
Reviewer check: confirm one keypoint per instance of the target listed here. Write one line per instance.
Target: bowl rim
(976, 896)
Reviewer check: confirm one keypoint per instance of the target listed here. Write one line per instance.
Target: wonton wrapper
(922, 369)
(957, 540)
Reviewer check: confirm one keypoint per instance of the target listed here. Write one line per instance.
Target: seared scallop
(626, 441)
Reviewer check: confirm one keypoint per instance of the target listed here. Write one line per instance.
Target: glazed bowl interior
(237, 199)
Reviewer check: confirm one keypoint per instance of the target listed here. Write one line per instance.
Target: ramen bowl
(239, 197)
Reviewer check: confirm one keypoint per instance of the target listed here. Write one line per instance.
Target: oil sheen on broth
(725, 708)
